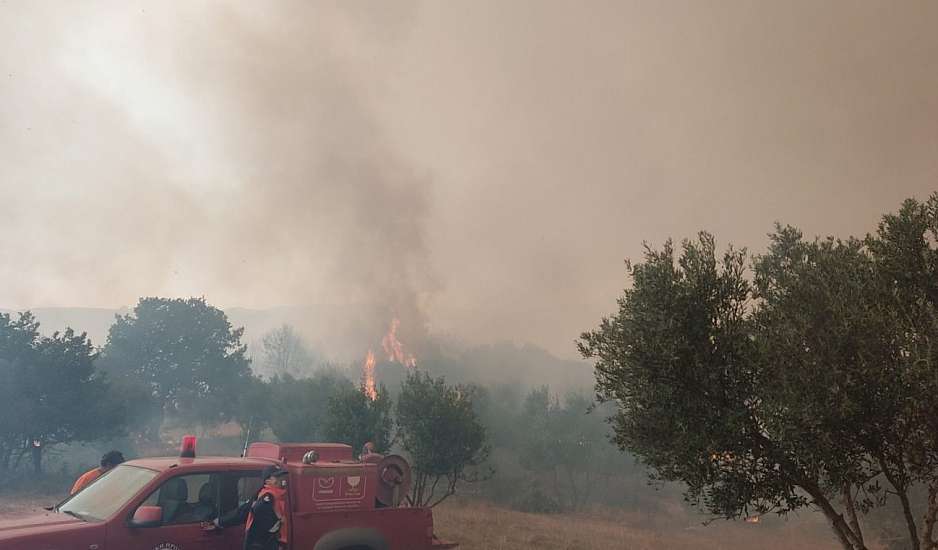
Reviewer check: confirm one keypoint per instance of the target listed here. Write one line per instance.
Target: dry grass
(480, 526)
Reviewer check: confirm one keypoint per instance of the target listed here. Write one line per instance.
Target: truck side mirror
(147, 516)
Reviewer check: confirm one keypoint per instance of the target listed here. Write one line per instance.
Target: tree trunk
(909, 519)
(574, 494)
(20, 453)
(851, 509)
(5, 454)
(899, 482)
(931, 516)
(848, 539)
(36, 449)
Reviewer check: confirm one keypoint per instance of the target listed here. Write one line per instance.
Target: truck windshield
(108, 494)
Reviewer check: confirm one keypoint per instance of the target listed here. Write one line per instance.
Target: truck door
(237, 490)
(186, 501)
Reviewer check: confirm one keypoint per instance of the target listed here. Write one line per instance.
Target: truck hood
(38, 523)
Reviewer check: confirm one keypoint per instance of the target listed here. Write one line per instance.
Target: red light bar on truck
(187, 450)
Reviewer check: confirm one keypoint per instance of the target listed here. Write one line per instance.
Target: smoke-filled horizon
(479, 169)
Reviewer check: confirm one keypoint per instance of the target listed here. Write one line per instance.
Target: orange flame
(395, 352)
(394, 348)
(368, 376)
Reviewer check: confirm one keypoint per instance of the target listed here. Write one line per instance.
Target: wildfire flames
(368, 376)
(393, 347)
(395, 352)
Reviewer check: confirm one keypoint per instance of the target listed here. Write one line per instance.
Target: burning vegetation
(394, 351)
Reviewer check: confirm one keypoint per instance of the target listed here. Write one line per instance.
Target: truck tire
(353, 538)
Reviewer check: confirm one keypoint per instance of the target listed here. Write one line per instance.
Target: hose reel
(394, 479)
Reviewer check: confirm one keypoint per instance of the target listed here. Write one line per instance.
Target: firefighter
(266, 526)
(108, 461)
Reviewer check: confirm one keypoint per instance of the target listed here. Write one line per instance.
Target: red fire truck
(335, 502)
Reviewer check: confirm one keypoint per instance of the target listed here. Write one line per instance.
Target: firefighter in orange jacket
(265, 517)
(108, 461)
(267, 527)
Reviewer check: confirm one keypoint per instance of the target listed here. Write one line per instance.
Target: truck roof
(201, 463)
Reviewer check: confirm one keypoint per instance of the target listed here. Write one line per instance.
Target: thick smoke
(282, 183)
(480, 168)
(326, 207)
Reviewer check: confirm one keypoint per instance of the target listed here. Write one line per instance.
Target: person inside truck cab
(108, 461)
(203, 509)
(173, 499)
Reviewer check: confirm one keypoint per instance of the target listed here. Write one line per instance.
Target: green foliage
(905, 253)
(50, 392)
(807, 386)
(561, 440)
(679, 361)
(298, 409)
(254, 408)
(185, 352)
(438, 428)
(499, 410)
(354, 419)
(825, 338)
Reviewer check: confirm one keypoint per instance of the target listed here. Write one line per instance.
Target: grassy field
(480, 526)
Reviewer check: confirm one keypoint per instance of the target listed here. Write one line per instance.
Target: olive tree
(814, 384)
(684, 364)
(439, 429)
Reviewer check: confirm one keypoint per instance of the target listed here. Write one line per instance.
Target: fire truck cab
(335, 502)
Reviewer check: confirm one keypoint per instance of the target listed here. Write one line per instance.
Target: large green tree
(810, 385)
(185, 352)
(682, 361)
(50, 392)
(438, 427)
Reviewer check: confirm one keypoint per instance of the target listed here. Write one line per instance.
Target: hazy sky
(483, 166)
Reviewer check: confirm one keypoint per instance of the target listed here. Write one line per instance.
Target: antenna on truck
(247, 437)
